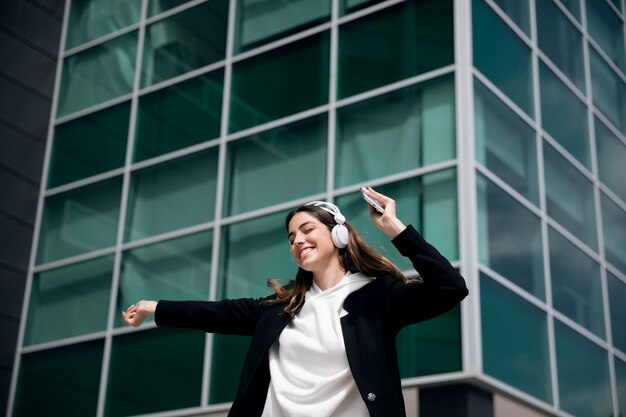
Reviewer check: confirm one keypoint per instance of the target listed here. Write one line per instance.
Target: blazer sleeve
(226, 317)
(441, 288)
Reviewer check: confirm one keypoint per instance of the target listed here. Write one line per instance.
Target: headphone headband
(339, 233)
(329, 208)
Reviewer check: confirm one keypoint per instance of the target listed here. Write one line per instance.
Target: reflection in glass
(511, 248)
(611, 152)
(432, 347)
(260, 22)
(609, 91)
(283, 81)
(576, 285)
(428, 202)
(607, 29)
(514, 340)
(172, 195)
(569, 197)
(350, 6)
(61, 297)
(91, 145)
(179, 116)
(564, 116)
(614, 225)
(228, 356)
(98, 74)
(80, 221)
(277, 165)
(582, 366)
(560, 40)
(159, 6)
(617, 301)
(505, 144)
(398, 42)
(91, 19)
(507, 60)
(252, 252)
(185, 41)
(152, 357)
(177, 269)
(64, 379)
(396, 132)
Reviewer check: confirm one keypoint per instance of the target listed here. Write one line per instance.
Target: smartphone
(373, 203)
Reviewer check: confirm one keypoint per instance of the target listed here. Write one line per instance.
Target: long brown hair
(358, 256)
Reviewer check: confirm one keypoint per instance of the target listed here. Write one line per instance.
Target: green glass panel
(90, 145)
(177, 269)
(98, 74)
(185, 41)
(228, 356)
(560, 40)
(179, 116)
(283, 81)
(63, 381)
(569, 197)
(252, 252)
(159, 6)
(607, 29)
(573, 6)
(617, 301)
(576, 284)
(431, 347)
(350, 6)
(564, 116)
(277, 165)
(172, 195)
(611, 152)
(395, 43)
(507, 60)
(583, 372)
(396, 132)
(91, 19)
(428, 202)
(514, 340)
(60, 297)
(518, 11)
(155, 370)
(505, 144)
(620, 376)
(260, 22)
(609, 91)
(499, 238)
(614, 225)
(79, 221)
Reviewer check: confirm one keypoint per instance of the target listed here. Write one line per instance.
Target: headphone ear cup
(340, 236)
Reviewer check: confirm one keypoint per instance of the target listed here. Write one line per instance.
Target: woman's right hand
(137, 313)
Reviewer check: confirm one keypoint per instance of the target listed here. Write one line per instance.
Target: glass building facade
(184, 131)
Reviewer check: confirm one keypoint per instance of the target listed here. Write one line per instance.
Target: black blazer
(376, 313)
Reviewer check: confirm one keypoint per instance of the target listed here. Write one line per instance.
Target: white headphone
(339, 234)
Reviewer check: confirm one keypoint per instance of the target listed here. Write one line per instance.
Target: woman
(324, 345)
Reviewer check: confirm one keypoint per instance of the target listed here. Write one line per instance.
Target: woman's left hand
(387, 222)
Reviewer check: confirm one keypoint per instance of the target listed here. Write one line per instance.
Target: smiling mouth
(305, 252)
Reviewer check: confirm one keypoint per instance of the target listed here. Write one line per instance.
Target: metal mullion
(173, 234)
(66, 341)
(108, 341)
(564, 153)
(73, 260)
(578, 25)
(435, 379)
(616, 272)
(609, 125)
(219, 197)
(581, 330)
(367, 11)
(573, 239)
(84, 182)
(467, 201)
(38, 216)
(621, 355)
(511, 23)
(172, 11)
(513, 287)
(545, 60)
(332, 101)
(511, 105)
(93, 109)
(100, 41)
(161, 85)
(170, 156)
(521, 199)
(607, 59)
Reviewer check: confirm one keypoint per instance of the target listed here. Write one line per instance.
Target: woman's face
(311, 245)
